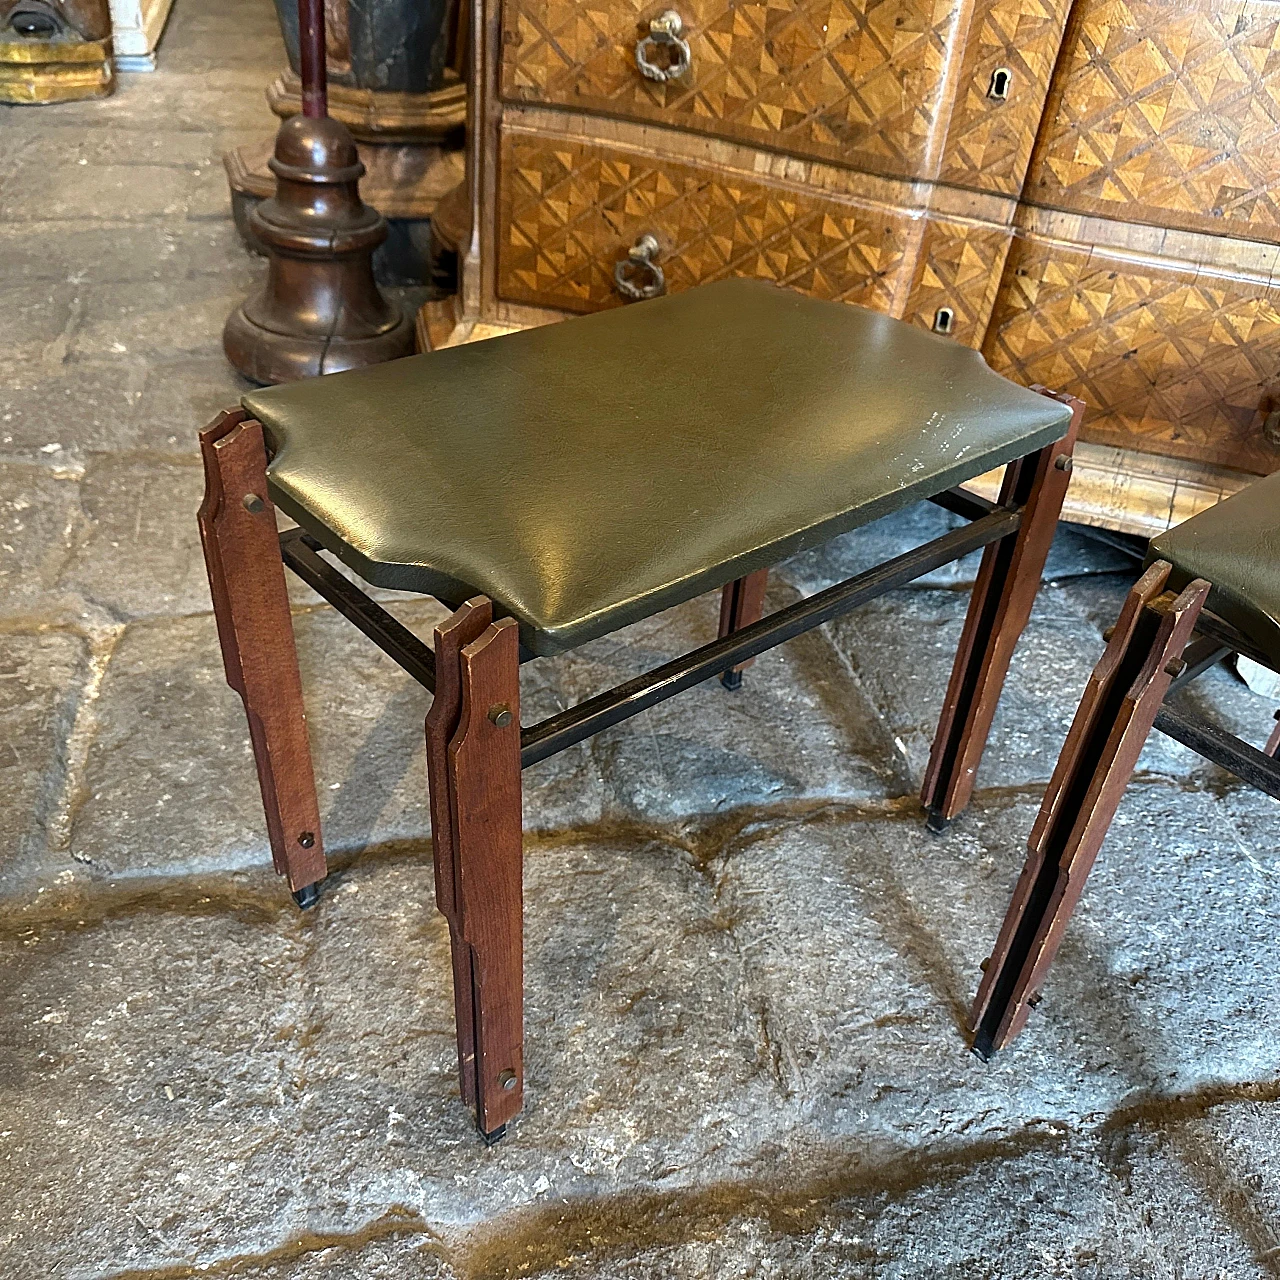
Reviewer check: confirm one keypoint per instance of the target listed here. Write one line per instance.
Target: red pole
(315, 97)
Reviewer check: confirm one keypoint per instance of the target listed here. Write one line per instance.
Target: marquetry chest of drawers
(1086, 191)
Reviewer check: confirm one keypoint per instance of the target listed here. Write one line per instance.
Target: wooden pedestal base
(401, 180)
(320, 310)
(382, 116)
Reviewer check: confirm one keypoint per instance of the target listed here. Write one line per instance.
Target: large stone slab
(129, 176)
(162, 319)
(324, 1107)
(138, 552)
(1207, 1165)
(115, 250)
(1043, 1203)
(57, 416)
(181, 397)
(683, 1113)
(170, 779)
(901, 648)
(37, 322)
(863, 940)
(135, 550)
(748, 967)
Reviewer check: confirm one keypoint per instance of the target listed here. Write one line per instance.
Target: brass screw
(253, 504)
(307, 839)
(1034, 1000)
(500, 714)
(1063, 462)
(508, 1080)
(1108, 633)
(985, 965)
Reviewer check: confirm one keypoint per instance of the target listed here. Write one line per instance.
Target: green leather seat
(594, 472)
(1235, 546)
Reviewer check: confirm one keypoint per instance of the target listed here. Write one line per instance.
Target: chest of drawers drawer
(908, 88)
(1166, 114)
(1174, 357)
(571, 211)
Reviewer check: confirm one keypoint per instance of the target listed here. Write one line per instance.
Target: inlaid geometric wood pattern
(988, 143)
(1171, 361)
(957, 265)
(1166, 112)
(568, 212)
(859, 82)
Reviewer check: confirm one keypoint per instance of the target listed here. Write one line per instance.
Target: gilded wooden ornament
(54, 50)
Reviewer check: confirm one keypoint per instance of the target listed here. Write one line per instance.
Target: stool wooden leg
(999, 607)
(464, 626)
(1115, 715)
(251, 605)
(741, 603)
(1273, 742)
(479, 864)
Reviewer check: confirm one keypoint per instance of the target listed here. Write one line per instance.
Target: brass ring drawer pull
(638, 276)
(664, 30)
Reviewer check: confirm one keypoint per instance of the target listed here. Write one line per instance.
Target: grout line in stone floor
(601, 1228)
(604, 1227)
(397, 1223)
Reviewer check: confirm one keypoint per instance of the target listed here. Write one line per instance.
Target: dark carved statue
(400, 46)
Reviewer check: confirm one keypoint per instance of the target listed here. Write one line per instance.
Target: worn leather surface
(590, 473)
(1235, 546)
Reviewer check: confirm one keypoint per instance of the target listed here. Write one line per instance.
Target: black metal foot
(732, 680)
(307, 896)
(935, 822)
(492, 1139)
(982, 1048)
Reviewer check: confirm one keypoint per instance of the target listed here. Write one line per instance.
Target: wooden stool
(1211, 588)
(559, 484)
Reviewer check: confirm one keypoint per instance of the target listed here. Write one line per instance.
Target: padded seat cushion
(1234, 546)
(591, 473)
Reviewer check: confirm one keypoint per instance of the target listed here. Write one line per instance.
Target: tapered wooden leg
(484, 779)
(464, 626)
(473, 755)
(251, 605)
(741, 603)
(999, 607)
(1273, 742)
(1115, 715)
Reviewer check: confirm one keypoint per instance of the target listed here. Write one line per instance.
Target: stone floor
(748, 965)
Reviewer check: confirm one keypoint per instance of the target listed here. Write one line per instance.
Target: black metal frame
(989, 523)
(1216, 639)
